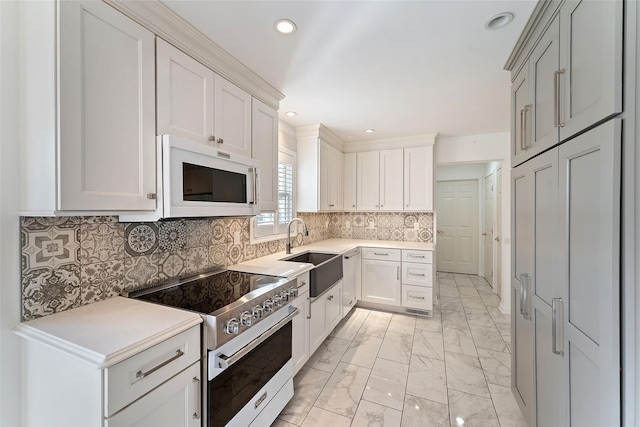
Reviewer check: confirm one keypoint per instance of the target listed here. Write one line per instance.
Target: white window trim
(294, 229)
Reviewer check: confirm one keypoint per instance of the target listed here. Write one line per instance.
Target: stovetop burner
(229, 301)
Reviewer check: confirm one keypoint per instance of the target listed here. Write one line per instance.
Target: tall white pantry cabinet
(566, 195)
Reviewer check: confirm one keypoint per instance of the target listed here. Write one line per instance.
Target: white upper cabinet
(264, 123)
(368, 181)
(232, 118)
(185, 95)
(418, 178)
(350, 180)
(521, 111)
(331, 172)
(391, 180)
(106, 142)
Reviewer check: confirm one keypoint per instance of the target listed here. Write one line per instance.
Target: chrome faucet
(306, 232)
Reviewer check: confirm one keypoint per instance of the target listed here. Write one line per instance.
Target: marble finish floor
(385, 369)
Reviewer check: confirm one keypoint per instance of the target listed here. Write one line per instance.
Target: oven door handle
(224, 361)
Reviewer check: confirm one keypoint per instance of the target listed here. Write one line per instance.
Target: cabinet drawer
(303, 283)
(423, 257)
(128, 380)
(417, 274)
(417, 297)
(381, 254)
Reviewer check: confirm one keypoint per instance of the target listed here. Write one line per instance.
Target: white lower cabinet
(381, 282)
(351, 280)
(325, 312)
(418, 297)
(174, 403)
(300, 339)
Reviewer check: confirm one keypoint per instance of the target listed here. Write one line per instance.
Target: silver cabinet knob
(245, 318)
(258, 312)
(232, 327)
(285, 295)
(268, 306)
(277, 300)
(293, 292)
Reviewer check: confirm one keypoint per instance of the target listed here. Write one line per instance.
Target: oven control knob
(245, 318)
(258, 312)
(268, 306)
(232, 327)
(285, 295)
(293, 292)
(277, 300)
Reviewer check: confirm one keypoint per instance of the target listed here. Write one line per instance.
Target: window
(273, 225)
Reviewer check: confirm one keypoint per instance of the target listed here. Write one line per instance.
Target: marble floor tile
(504, 328)
(371, 414)
(321, 418)
(444, 275)
(459, 341)
(424, 413)
(343, 391)
(431, 324)
(498, 316)
(428, 344)
(396, 347)
(349, 326)
(478, 280)
(469, 410)
(402, 323)
(479, 317)
(451, 304)
(473, 303)
(464, 373)
(507, 341)
(468, 291)
(463, 280)
(487, 337)
(496, 366)
(307, 385)
(485, 290)
(450, 291)
(387, 384)
(328, 355)
(506, 406)
(427, 379)
(281, 423)
(376, 324)
(490, 300)
(455, 319)
(362, 351)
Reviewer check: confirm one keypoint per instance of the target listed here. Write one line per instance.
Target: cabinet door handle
(557, 311)
(522, 295)
(522, 146)
(527, 301)
(141, 374)
(398, 273)
(556, 94)
(196, 414)
(416, 274)
(309, 311)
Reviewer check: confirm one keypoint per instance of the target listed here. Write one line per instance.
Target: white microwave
(196, 180)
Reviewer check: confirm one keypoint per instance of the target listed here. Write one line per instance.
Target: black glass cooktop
(209, 292)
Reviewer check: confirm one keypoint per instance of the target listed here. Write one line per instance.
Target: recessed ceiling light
(369, 130)
(290, 114)
(499, 21)
(285, 26)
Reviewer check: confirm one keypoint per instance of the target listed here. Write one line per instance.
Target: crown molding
(322, 132)
(390, 143)
(171, 27)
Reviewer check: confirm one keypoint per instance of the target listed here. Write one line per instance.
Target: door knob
(440, 232)
(484, 234)
(497, 238)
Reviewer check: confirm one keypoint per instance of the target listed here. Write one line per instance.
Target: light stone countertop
(272, 265)
(107, 332)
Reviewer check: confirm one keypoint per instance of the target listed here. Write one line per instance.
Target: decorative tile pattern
(172, 236)
(140, 271)
(101, 280)
(50, 242)
(198, 233)
(172, 264)
(47, 290)
(141, 239)
(101, 242)
(197, 260)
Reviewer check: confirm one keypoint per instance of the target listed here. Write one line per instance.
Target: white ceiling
(400, 67)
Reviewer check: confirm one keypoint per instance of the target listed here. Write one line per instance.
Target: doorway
(487, 233)
(457, 226)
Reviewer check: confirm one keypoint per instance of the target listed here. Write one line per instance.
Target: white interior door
(457, 239)
(498, 232)
(487, 233)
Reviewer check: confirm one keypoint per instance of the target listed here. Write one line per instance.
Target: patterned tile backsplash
(72, 261)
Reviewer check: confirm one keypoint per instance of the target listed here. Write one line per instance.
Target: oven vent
(418, 312)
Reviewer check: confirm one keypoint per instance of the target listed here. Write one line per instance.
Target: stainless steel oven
(247, 333)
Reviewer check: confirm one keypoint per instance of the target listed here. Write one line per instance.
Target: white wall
(485, 148)
(10, 367)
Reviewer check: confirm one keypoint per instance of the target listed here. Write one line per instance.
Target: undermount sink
(327, 270)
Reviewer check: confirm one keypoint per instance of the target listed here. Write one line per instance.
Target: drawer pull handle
(415, 297)
(196, 415)
(416, 274)
(381, 253)
(140, 374)
(416, 256)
